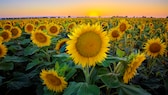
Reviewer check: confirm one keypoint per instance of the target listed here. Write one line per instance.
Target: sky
(130, 8)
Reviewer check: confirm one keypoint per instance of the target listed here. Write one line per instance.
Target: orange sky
(27, 8)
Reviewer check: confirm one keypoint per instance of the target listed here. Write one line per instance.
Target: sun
(94, 14)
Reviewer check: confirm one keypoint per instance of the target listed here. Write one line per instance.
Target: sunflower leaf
(32, 64)
(81, 89)
(30, 50)
(6, 66)
(132, 90)
(120, 53)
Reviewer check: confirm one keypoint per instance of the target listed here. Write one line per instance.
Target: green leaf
(120, 53)
(32, 64)
(14, 59)
(110, 81)
(72, 88)
(70, 73)
(86, 89)
(19, 81)
(25, 41)
(6, 66)
(61, 55)
(47, 91)
(81, 89)
(132, 90)
(30, 50)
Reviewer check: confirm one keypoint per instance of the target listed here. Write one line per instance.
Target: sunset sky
(34, 8)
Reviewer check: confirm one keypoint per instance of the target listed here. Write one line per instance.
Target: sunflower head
(3, 50)
(154, 47)
(88, 45)
(6, 35)
(42, 27)
(7, 27)
(114, 34)
(40, 38)
(70, 26)
(16, 32)
(123, 25)
(29, 28)
(53, 29)
(131, 69)
(60, 44)
(53, 81)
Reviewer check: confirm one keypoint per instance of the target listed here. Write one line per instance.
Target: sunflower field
(84, 56)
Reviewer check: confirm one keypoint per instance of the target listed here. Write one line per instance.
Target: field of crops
(84, 56)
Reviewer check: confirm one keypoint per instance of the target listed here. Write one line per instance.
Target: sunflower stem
(86, 73)
(46, 53)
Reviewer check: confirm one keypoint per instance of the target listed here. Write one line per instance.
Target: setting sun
(94, 13)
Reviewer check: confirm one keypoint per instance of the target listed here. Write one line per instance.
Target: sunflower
(6, 35)
(60, 43)
(1, 39)
(42, 27)
(154, 47)
(53, 29)
(114, 34)
(131, 71)
(29, 28)
(3, 50)
(40, 38)
(7, 27)
(88, 45)
(53, 81)
(70, 26)
(123, 25)
(16, 32)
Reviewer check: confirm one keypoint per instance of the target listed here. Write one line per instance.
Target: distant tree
(69, 16)
(167, 17)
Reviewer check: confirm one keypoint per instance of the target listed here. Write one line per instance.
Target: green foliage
(81, 88)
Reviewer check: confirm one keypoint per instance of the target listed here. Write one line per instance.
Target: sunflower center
(29, 27)
(123, 27)
(53, 29)
(71, 26)
(41, 37)
(7, 27)
(5, 35)
(53, 79)
(154, 47)
(14, 32)
(115, 34)
(88, 44)
(42, 27)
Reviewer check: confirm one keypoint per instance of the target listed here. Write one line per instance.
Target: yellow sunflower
(123, 25)
(29, 28)
(114, 34)
(53, 29)
(7, 27)
(3, 50)
(131, 71)
(53, 81)
(70, 26)
(155, 47)
(60, 43)
(1, 39)
(16, 32)
(88, 45)
(40, 38)
(42, 27)
(6, 35)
